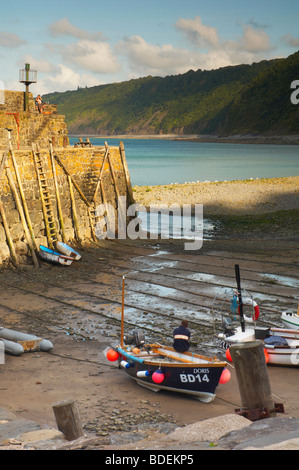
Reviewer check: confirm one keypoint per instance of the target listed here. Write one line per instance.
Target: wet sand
(78, 308)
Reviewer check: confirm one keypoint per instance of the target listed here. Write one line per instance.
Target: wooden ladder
(49, 218)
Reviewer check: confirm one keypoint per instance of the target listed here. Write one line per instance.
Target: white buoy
(125, 364)
(143, 373)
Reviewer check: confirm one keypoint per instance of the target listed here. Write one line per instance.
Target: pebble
(120, 421)
(219, 197)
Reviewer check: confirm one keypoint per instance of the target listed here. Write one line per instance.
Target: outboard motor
(136, 338)
(139, 338)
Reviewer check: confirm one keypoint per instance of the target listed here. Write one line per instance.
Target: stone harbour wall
(32, 126)
(93, 175)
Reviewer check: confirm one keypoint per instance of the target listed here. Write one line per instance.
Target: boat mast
(122, 314)
(238, 279)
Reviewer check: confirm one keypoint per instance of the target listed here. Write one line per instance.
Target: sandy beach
(250, 197)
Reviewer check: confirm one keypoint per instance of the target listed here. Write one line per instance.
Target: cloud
(217, 52)
(255, 40)
(209, 51)
(197, 33)
(83, 56)
(153, 59)
(65, 28)
(96, 57)
(11, 40)
(256, 24)
(90, 52)
(64, 78)
(149, 59)
(290, 40)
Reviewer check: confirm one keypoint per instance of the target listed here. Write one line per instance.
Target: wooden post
(100, 175)
(3, 162)
(112, 173)
(122, 314)
(100, 184)
(91, 222)
(127, 174)
(72, 179)
(252, 376)
(23, 198)
(8, 236)
(68, 419)
(60, 215)
(22, 216)
(74, 211)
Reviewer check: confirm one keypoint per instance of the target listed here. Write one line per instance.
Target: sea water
(160, 161)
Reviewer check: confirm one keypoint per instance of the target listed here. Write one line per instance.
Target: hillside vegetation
(242, 99)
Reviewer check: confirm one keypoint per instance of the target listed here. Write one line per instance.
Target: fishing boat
(67, 250)
(158, 367)
(54, 257)
(281, 345)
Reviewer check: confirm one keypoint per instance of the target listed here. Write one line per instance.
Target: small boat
(158, 367)
(54, 257)
(66, 250)
(290, 320)
(27, 341)
(281, 345)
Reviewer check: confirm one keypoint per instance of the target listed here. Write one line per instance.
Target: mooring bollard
(253, 381)
(68, 419)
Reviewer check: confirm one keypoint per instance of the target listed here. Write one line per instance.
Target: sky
(85, 43)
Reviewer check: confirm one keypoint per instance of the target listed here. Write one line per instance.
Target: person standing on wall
(39, 104)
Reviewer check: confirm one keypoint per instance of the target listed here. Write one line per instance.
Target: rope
(234, 304)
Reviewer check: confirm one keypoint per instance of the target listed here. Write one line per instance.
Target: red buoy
(112, 355)
(225, 376)
(266, 356)
(158, 376)
(228, 355)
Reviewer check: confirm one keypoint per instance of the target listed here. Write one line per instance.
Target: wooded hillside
(242, 99)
